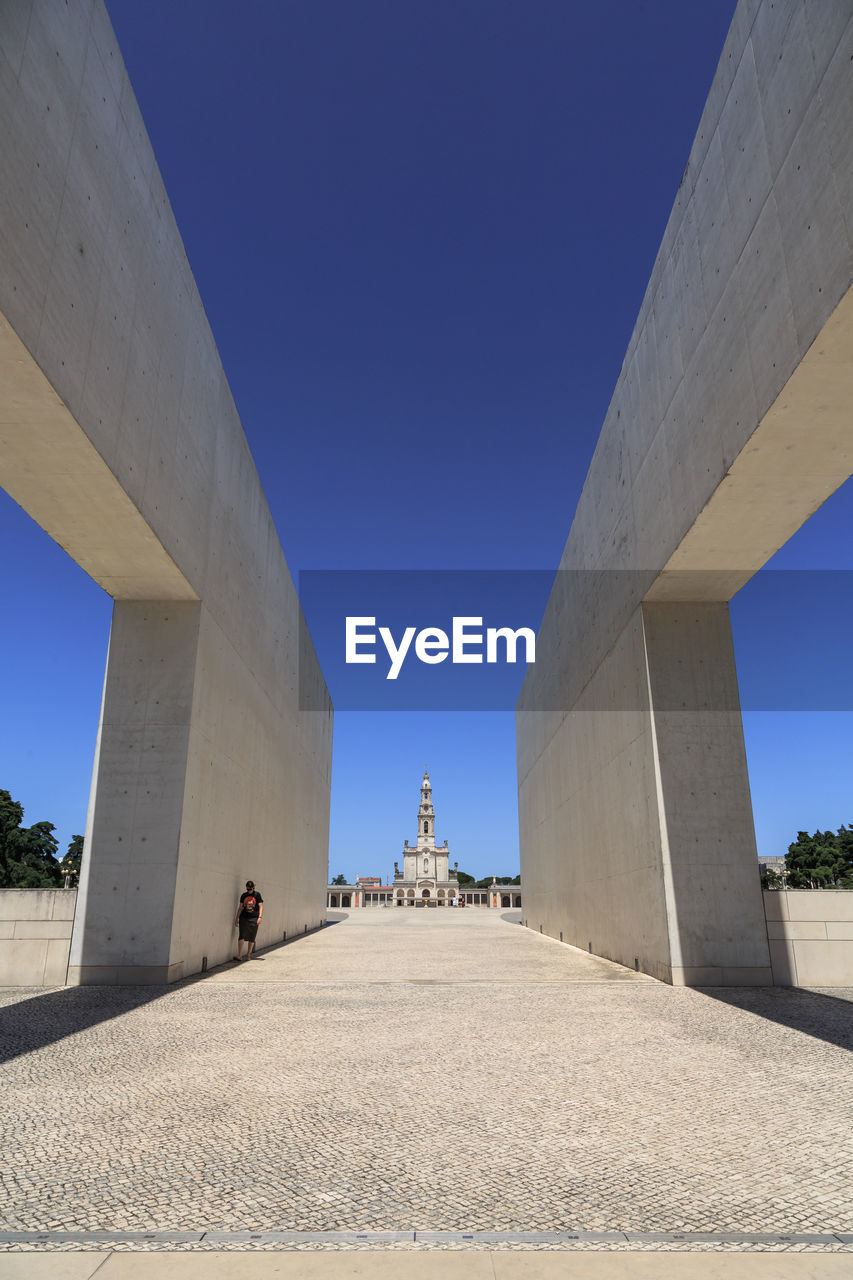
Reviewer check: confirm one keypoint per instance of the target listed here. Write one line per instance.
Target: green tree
(70, 864)
(27, 854)
(339, 879)
(844, 837)
(464, 878)
(823, 860)
(11, 816)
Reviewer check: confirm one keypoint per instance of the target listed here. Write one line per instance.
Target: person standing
(248, 917)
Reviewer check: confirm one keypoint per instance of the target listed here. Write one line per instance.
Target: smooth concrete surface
(811, 936)
(390, 1265)
(729, 425)
(35, 936)
(39, 906)
(118, 434)
(710, 870)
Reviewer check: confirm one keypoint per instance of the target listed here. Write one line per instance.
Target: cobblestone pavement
(430, 1071)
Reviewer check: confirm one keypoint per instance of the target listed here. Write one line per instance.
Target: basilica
(426, 876)
(426, 879)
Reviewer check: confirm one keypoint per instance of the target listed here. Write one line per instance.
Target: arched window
(426, 828)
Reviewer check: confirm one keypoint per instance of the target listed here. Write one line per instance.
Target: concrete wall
(811, 937)
(118, 434)
(729, 425)
(35, 936)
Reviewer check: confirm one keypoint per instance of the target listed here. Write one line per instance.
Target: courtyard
(427, 1080)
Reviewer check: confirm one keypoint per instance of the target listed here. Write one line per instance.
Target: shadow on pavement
(814, 1013)
(40, 1020)
(48, 1016)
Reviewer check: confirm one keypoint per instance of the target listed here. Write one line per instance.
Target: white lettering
(461, 637)
(432, 645)
(511, 637)
(354, 639)
(397, 655)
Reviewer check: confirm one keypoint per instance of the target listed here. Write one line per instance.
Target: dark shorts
(248, 929)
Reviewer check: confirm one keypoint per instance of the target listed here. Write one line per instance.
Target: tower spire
(426, 815)
(426, 879)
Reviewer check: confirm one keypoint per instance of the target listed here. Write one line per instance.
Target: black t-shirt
(251, 904)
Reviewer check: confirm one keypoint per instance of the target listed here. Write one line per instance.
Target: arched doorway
(333, 900)
(345, 900)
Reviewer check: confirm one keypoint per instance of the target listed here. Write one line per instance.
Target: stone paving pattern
(426, 1070)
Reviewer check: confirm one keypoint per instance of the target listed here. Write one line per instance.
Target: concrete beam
(51, 469)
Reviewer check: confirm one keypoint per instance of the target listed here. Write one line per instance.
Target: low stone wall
(35, 936)
(810, 933)
(811, 937)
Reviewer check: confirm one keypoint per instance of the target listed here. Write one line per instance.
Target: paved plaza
(445, 1073)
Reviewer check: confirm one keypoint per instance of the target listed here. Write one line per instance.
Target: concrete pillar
(120, 437)
(708, 859)
(126, 907)
(729, 425)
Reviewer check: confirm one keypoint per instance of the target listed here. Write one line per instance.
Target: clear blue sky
(422, 231)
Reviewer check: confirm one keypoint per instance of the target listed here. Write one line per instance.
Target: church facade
(426, 876)
(426, 880)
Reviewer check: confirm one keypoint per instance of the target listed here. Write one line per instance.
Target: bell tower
(425, 865)
(426, 816)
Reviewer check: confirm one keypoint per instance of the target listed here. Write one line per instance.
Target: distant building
(497, 895)
(426, 879)
(773, 864)
(368, 891)
(426, 876)
(348, 896)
